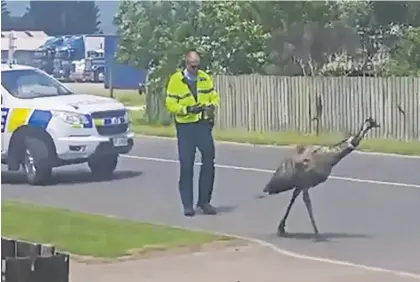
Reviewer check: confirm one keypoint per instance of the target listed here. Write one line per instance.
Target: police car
(44, 125)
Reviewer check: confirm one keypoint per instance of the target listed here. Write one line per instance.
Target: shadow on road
(69, 177)
(225, 209)
(323, 237)
(221, 209)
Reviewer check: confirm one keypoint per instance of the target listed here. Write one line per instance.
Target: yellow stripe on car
(17, 118)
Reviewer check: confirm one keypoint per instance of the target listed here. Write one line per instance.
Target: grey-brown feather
(309, 166)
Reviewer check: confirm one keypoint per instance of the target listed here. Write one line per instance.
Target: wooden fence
(275, 103)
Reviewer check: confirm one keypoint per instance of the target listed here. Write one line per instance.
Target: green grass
(282, 138)
(92, 235)
(127, 97)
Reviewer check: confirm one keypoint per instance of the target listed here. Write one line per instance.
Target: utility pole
(12, 46)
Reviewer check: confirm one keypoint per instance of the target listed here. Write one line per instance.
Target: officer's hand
(210, 108)
(195, 109)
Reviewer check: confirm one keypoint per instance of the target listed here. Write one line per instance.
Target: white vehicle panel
(67, 118)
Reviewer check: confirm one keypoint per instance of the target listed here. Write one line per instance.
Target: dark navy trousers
(191, 136)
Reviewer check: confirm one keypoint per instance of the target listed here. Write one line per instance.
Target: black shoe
(208, 209)
(189, 212)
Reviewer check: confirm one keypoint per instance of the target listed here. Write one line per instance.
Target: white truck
(44, 125)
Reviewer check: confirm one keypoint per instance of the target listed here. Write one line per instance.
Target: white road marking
(376, 182)
(286, 252)
(284, 147)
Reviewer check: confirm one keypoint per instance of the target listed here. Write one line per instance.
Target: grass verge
(93, 235)
(290, 138)
(127, 97)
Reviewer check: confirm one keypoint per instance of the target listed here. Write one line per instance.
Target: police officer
(191, 98)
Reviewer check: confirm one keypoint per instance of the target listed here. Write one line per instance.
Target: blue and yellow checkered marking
(109, 121)
(40, 118)
(88, 124)
(4, 115)
(12, 119)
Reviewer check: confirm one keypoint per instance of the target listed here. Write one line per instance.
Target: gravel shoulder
(240, 263)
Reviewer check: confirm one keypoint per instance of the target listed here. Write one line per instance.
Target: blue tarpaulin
(123, 76)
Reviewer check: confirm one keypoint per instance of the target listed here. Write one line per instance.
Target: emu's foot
(318, 237)
(281, 229)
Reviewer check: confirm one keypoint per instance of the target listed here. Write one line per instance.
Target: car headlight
(71, 118)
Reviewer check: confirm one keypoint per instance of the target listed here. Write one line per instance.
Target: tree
(151, 38)
(81, 17)
(65, 17)
(229, 41)
(5, 16)
(405, 59)
(155, 35)
(277, 37)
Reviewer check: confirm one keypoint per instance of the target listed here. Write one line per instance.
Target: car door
(3, 122)
(5, 136)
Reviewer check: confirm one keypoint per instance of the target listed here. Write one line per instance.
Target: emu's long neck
(343, 148)
(330, 156)
(362, 132)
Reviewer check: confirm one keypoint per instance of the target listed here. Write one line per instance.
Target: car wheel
(37, 170)
(103, 166)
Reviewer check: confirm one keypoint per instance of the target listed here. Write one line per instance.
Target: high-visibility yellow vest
(179, 96)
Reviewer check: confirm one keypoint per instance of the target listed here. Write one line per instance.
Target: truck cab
(94, 69)
(45, 125)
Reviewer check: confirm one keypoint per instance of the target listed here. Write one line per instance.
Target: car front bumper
(83, 147)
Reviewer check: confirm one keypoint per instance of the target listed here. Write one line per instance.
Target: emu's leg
(282, 225)
(308, 205)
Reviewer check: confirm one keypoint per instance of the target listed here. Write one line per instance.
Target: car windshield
(32, 83)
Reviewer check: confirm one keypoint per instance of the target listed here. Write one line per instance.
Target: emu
(310, 166)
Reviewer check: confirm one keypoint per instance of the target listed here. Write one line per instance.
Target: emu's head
(370, 123)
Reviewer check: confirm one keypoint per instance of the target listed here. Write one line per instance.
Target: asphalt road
(368, 211)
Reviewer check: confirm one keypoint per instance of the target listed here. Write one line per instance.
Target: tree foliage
(149, 40)
(65, 17)
(55, 17)
(406, 56)
(5, 15)
(277, 37)
(228, 42)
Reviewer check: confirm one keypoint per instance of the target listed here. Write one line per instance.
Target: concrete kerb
(305, 257)
(283, 251)
(292, 254)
